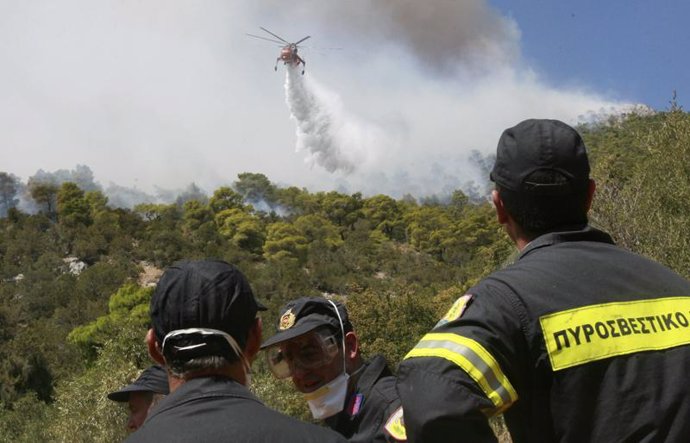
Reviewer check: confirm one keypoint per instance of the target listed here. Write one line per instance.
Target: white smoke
(158, 94)
(325, 132)
(440, 34)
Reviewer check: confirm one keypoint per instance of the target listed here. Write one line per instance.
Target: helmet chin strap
(342, 332)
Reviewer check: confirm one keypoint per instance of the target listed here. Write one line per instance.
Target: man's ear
(352, 345)
(154, 349)
(501, 213)
(254, 340)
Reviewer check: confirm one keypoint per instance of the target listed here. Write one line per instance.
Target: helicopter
(288, 52)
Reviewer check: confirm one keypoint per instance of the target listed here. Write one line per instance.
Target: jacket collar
(375, 369)
(369, 374)
(202, 387)
(587, 233)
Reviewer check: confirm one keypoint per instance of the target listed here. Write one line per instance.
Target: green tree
(9, 188)
(244, 230)
(255, 188)
(199, 228)
(72, 206)
(647, 210)
(296, 201)
(284, 240)
(316, 228)
(473, 227)
(428, 228)
(385, 214)
(391, 322)
(129, 304)
(45, 195)
(458, 202)
(343, 210)
(163, 242)
(225, 198)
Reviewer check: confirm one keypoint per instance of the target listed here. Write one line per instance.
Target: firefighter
(142, 395)
(576, 341)
(317, 347)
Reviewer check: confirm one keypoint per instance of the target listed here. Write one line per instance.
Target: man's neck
(234, 372)
(521, 243)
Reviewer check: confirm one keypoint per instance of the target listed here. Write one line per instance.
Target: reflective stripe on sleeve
(472, 358)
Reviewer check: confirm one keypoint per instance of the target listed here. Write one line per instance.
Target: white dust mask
(329, 399)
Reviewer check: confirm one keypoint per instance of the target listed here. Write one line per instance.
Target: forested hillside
(76, 277)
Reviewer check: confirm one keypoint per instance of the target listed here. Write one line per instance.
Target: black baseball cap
(305, 314)
(541, 145)
(154, 379)
(209, 294)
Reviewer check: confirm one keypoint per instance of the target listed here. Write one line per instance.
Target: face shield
(309, 351)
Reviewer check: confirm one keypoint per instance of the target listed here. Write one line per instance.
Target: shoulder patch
(395, 425)
(456, 311)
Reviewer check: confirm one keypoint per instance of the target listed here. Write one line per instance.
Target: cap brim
(123, 394)
(291, 333)
(154, 379)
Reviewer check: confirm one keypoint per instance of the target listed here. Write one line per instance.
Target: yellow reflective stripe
(472, 358)
(595, 332)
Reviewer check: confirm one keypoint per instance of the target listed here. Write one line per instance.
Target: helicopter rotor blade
(276, 36)
(321, 48)
(267, 39)
(297, 43)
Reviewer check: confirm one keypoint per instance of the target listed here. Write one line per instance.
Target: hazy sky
(168, 92)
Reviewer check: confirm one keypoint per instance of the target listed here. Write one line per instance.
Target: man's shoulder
(213, 419)
(384, 389)
(380, 379)
(380, 408)
(287, 429)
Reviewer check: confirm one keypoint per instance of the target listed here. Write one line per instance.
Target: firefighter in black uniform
(142, 395)
(205, 330)
(577, 341)
(317, 346)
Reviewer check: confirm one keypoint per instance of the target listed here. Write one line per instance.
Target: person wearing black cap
(206, 332)
(316, 346)
(142, 395)
(577, 341)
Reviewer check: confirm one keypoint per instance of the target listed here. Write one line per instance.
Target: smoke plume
(441, 34)
(158, 94)
(325, 132)
(315, 131)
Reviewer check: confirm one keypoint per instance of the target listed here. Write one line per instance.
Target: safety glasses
(309, 351)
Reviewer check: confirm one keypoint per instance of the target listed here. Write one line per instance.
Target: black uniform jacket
(577, 341)
(372, 403)
(218, 409)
